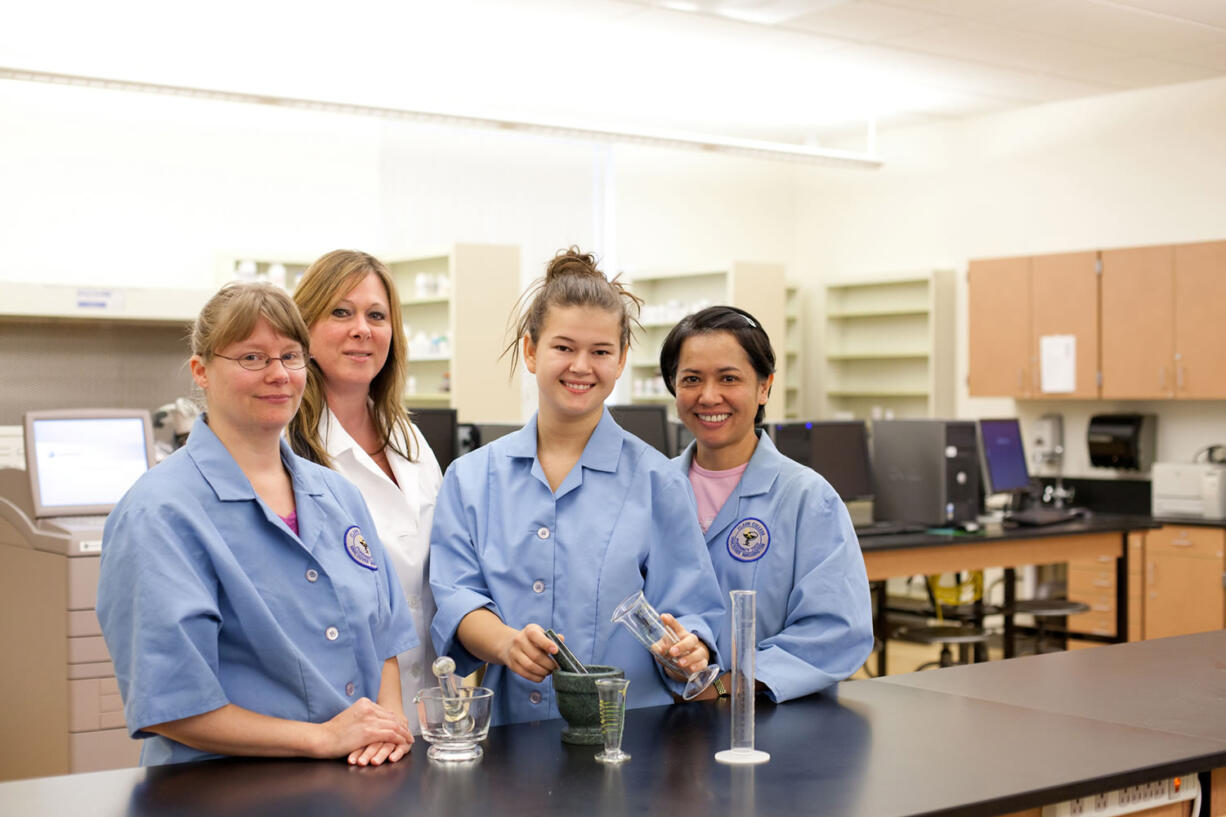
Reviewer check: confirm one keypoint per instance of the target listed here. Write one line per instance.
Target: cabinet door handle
(1179, 377)
(1152, 579)
(1162, 378)
(1182, 543)
(1021, 375)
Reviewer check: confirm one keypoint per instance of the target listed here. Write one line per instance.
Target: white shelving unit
(757, 288)
(455, 307)
(788, 355)
(890, 346)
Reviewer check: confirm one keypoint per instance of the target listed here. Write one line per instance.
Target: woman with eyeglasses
(247, 604)
(352, 420)
(771, 524)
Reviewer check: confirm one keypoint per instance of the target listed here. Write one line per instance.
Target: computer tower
(926, 471)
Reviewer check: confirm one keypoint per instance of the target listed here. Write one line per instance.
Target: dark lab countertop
(996, 532)
(980, 740)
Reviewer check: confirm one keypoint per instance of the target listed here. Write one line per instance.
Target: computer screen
(82, 461)
(836, 449)
(1004, 459)
(648, 423)
(441, 429)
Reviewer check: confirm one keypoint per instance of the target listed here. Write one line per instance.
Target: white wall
(124, 189)
(1136, 168)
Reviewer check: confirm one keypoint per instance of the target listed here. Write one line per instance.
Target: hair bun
(572, 261)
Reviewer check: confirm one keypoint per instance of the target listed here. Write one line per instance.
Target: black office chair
(960, 602)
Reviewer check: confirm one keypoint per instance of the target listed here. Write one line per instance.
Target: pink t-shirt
(291, 520)
(712, 489)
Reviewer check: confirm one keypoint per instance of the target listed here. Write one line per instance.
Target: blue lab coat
(206, 597)
(814, 613)
(622, 520)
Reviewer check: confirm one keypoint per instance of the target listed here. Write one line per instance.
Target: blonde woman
(353, 421)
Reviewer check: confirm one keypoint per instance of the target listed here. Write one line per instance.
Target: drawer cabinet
(1183, 581)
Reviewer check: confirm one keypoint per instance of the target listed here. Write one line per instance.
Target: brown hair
(232, 313)
(324, 283)
(571, 279)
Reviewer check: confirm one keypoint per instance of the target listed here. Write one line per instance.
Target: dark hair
(571, 279)
(738, 323)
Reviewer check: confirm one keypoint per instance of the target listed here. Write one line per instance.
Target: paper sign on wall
(1058, 364)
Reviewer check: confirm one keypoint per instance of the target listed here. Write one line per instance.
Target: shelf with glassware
(669, 296)
(890, 346)
(454, 306)
(283, 269)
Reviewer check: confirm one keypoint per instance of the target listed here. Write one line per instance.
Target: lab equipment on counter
(744, 654)
(449, 744)
(579, 702)
(1194, 490)
(612, 695)
(644, 623)
(78, 464)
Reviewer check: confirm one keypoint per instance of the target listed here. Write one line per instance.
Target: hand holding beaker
(642, 620)
(687, 651)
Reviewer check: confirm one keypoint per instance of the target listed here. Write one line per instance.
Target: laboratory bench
(1097, 548)
(979, 741)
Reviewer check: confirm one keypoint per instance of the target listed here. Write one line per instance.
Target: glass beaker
(612, 692)
(642, 620)
(450, 740)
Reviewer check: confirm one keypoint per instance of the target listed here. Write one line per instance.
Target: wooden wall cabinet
(1183, 580)
(1200, 331)
(1138, 315)
(1013, 304)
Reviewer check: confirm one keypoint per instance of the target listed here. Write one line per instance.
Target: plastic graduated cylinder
(744, 651)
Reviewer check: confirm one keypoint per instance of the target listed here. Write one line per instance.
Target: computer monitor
(648, 423)
(1004, 458)
(80, 462)
(441, 429)
(836, 449)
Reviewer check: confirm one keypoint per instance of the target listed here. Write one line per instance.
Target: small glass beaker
(612, 692)
(641, 619)
(452, 739)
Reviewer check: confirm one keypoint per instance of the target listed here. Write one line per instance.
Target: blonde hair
(325, 282)
(232, 314)
(571, 279)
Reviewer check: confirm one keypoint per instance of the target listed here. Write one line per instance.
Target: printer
(1194, 490)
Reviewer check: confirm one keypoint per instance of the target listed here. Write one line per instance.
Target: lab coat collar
(601, 453)
(224, 476)
(758, 478)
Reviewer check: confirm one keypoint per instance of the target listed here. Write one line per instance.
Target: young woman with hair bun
(554, 525)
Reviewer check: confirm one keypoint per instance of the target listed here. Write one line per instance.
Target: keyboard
(1042, 516)
(888, 529)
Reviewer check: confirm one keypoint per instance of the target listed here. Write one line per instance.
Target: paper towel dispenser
(1123, 441)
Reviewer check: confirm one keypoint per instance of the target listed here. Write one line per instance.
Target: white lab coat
(403, 517)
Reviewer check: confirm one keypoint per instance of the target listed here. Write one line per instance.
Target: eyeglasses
(258, 361)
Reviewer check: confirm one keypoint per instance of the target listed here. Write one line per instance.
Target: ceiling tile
(1114, 26)
(1006, 47)
(984, 10)
(867, 21)
(1141, 72)
(1209, 12)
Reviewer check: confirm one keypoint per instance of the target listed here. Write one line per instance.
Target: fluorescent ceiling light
(557, 128)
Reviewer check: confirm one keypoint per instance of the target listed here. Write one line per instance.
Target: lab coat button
(312, 575)
(349, 689)
(332, 633)
(543, 533)
(538, 586)
(535, 697)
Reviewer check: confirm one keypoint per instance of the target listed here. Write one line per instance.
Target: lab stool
(1042, 610)
(945, 635)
